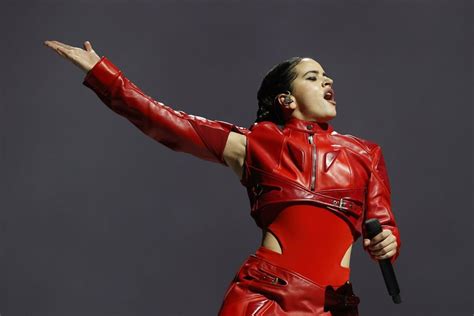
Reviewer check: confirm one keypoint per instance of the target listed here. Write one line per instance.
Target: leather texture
(263, 288)
(302, 161)
(176, 130)
(309, 162)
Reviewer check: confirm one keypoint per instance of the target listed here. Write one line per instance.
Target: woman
(310, 188)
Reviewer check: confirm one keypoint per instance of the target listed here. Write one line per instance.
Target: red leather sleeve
(379, 199)
(177, 130)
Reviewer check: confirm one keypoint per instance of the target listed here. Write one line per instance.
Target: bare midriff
(309, 240)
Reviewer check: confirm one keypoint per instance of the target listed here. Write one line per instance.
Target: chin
(333, 115)
(325, 119)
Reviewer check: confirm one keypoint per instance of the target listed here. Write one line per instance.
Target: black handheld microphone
(373, 228)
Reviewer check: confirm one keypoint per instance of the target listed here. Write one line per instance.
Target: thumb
(88, 46)
(366, 242)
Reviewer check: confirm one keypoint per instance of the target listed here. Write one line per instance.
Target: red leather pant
(262, 288)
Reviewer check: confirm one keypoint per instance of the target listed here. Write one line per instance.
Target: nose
(327, 81)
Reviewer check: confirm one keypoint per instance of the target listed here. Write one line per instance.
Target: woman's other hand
(383, 245)
(83, 58)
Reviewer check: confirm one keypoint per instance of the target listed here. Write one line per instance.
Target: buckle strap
(340, 299)
(343, 204)
(351, 300)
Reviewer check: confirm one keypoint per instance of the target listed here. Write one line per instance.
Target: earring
(288, 98)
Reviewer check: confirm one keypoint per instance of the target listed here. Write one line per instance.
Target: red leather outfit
(309, 185)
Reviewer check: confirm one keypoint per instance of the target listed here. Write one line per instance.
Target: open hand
(83, 58)
(383, 245)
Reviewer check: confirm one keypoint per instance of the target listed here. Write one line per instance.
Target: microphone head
(397, 299)
(372, 227)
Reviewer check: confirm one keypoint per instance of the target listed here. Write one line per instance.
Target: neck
(300, 116)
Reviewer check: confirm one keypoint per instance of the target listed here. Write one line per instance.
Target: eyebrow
(316, 72)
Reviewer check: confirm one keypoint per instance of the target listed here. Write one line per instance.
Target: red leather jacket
(301, 161)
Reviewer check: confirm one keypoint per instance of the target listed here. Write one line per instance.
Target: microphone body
(373, 228)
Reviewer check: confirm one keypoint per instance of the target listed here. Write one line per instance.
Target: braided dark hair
(277, 80)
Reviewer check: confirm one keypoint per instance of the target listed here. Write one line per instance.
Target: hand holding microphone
(382, 247)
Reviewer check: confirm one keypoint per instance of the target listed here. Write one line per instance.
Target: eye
(312, 78)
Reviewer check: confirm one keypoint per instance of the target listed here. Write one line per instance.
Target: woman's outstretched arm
(212, 140)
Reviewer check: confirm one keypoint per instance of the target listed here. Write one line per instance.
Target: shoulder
(350, 140)
(263, 124)
(264, 127)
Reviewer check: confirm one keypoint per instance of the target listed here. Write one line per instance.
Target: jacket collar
(308, 126)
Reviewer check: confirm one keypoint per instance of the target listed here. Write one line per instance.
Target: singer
(310, 188)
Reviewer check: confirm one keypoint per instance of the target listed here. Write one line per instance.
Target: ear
(283, 105)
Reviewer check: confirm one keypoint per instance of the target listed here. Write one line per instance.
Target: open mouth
(329, 96)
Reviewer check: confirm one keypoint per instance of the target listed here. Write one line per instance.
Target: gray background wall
(98, 219)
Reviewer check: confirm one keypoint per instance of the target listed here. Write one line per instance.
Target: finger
(381, 236)
(382, 244)
(384, 250)
(63, 45)
(50, 44)
(88, 46)
(386, 256)
(366, 242)
(59, 49)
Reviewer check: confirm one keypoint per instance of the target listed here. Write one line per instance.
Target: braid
(277, 80)
(269, 112)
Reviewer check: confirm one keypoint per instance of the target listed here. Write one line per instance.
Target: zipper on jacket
(313, 158)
